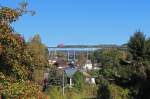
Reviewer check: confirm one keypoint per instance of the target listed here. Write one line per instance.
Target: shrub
(19, 88)
(112, 91)
(79, 81)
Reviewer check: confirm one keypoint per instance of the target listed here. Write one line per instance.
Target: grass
(72, 93)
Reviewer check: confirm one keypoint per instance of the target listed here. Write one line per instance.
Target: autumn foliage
(16, 62)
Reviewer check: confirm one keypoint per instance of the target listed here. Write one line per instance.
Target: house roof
(61, 63)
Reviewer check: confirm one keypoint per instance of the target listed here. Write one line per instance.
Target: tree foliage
(79, 81)
(38, 51)
(82, 58)
(56, 77)
(12, 45)
(108, 57)
(129, 75)
(16, 61)
(138, 46)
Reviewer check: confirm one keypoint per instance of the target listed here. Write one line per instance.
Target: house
(51, 62)
(61, 63)
(88, 65)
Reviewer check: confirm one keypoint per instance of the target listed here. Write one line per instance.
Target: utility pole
(68, 55)
(74, 55)
(63, 84)
(55, 53)
(49, 50)
(87, 54)
(70, 82)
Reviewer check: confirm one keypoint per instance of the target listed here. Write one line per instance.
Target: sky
(83, 21)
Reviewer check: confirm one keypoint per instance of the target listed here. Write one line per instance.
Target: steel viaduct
(73, 50)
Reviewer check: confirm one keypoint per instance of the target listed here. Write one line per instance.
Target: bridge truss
(71, 51)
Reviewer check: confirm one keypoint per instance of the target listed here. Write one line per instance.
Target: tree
(82, 59)
(79, 81)
(61, 55)
(12, 45)
(56, 77)
(148, 49)
(39, 52)
(113, 74)
(95, 56)
(137, 46)
(109, 57)
(15, 60)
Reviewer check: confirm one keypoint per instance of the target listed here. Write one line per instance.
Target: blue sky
(83, 21)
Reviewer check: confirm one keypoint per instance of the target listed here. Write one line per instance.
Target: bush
(112, 91)
(19, 88)
(118, 92)
(103, 91)
(79, 81)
